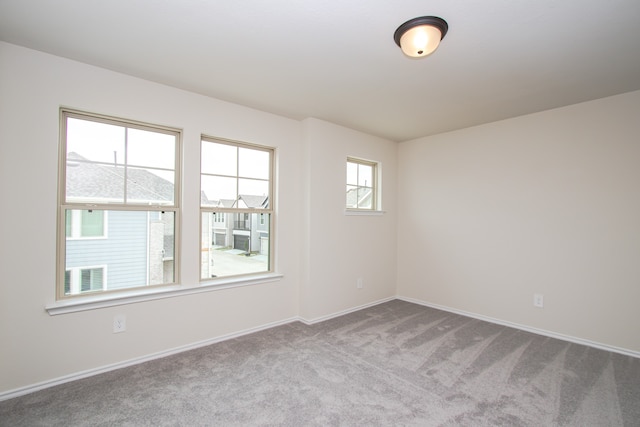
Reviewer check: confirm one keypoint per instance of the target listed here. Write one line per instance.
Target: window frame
(65, 205)
(269, 211)
(375, 185)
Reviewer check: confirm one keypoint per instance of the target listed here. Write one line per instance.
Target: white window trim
(116, 298)
(363, 212)
(220, 281)
(376, 188)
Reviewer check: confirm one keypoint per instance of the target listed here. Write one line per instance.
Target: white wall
(339, 249)
(546, 203)
(35, 346)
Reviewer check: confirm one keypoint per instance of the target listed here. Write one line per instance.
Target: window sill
(356, 212)
(140, 295)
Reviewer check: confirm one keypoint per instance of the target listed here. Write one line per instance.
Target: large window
(236, 208)
(118, 204)
(361, 184)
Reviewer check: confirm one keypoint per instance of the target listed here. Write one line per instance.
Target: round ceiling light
(420, 37)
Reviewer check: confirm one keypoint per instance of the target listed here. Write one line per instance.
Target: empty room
(313, 213)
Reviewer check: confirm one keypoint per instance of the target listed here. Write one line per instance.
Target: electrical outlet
(538, 300)
(359, 284)
(119, 323)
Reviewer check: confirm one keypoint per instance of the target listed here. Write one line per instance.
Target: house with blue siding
(110, 249)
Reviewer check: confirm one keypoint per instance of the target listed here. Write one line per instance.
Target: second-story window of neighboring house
(362, 185)
(118, 205)
(236, 185)
(85, 223)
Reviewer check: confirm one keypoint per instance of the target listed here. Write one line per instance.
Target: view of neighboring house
(251, 231)
(112, 249)
(243, 232)
(359, 197)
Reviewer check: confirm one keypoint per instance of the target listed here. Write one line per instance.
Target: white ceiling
(337, 61)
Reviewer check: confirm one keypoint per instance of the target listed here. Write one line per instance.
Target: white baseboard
(543, 332)
(112, 367)
(91, 372)
(343, 312)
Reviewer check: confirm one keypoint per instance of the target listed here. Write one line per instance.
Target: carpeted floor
(395, 364)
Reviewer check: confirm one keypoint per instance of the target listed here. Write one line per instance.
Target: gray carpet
(396, 364)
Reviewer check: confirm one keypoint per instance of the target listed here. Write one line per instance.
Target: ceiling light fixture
(420, 37)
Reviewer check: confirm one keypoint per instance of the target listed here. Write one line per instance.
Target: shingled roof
(256, 202)
(95, 182)
(243, 201)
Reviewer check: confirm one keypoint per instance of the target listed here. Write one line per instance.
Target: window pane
(364, 198)
(117, 162)
(253, 163)
(352, 196)
(94, 141)
(100, 158)
(94, 183)
(154, 149)
(365, 176)
(97, 278)
(218, 191)
(91, 223)
(253, 194)
(149, 186)
(138, 252)
(239, 245)
(361, 184)
(352, 173)
(91, 280)
(219, 159)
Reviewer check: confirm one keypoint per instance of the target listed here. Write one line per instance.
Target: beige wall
(339, 249)
(546, 203)
(313, 237)
(35, 346)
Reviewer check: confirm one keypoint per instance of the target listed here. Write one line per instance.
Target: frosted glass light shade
(420, 37)
(420, 41)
